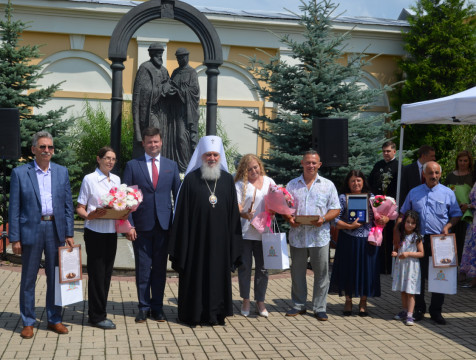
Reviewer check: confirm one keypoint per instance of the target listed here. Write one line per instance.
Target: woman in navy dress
(355, 271)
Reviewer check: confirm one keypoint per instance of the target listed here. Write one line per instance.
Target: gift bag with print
(275, 250)
(442, 279)
(67, 293)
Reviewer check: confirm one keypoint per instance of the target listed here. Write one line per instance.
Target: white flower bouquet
(120, 202)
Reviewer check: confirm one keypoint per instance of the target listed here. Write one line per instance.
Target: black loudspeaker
(10, 134)
(330, 139)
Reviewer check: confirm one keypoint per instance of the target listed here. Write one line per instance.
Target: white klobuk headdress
(207, 144)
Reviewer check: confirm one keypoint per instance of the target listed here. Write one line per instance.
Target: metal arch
(152, 10)
(133, 20)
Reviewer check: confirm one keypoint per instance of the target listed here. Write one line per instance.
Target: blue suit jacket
(136, 173)
(25, 204)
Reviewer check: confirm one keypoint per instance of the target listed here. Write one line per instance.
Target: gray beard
(210, 173)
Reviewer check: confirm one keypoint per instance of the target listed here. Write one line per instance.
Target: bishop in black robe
(205, 246)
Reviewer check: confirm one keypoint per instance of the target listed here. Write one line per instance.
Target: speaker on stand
(10, 148)
(330, 139)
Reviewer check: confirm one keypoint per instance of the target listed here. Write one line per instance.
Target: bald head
(432, 173)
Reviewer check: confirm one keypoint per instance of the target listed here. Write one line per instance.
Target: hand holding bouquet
(381, 206)
(122, 198)
(278, 200)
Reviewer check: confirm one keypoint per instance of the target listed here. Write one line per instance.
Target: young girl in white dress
(406, 271)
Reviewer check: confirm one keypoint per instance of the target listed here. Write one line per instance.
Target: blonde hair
(242, 172)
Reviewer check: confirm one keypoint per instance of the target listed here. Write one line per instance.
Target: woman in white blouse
(251, 186)
(99, 235)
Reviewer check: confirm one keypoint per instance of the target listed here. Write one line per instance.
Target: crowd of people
(205, 226)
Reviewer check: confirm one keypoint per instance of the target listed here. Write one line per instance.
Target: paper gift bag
(67, 293)
(275, 251)
(442, 279)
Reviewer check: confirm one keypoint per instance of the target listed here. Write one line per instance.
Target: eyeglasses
(43, 147)
(107, 158)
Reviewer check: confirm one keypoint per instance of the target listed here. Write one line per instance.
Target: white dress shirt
(93, 187)
(148, 160)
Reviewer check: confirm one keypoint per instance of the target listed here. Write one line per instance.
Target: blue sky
(389, 9)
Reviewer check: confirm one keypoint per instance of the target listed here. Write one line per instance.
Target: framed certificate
(70, 266)
(306, 219)
(115, 214)
(443, 249)
(358, 207)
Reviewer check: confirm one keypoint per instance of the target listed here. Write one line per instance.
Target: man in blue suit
(156, 177)
(41, 219)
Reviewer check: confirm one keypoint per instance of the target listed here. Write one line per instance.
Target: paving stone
(278, 337)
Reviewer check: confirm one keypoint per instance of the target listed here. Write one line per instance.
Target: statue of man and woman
(169, 103)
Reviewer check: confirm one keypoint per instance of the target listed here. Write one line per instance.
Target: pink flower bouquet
(381, 206)
(278, 200)
(122, 198)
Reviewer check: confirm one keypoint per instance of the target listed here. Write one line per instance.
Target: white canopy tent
(457, 109)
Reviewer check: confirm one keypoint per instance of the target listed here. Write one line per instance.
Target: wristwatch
(324, 219)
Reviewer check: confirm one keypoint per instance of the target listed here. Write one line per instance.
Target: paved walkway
(278, 337)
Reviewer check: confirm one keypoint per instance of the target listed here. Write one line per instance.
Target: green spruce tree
(325, 83)
(18, 89)
(441, 61)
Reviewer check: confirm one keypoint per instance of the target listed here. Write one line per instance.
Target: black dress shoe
(418, 315)
(142, 316)
(106, 324)
(157, 315)
(440, 320)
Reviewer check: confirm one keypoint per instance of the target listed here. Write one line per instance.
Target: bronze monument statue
(170, 104)
(128, 25)
(183, 112)
(151, 86)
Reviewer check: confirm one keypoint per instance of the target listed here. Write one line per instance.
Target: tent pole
(400, 158)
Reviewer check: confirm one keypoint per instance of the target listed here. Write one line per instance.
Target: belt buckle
(47, 218)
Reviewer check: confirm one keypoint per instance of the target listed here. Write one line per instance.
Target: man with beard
(439, 211)
(206, 242)
(383, 181)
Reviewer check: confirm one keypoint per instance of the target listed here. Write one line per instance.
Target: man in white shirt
(313, 195)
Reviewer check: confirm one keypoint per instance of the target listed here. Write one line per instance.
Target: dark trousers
(46, 241)
(385, 252)
(101, 250)
(460, 234)
(437, 299)
(150, 252)
(252, 248)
